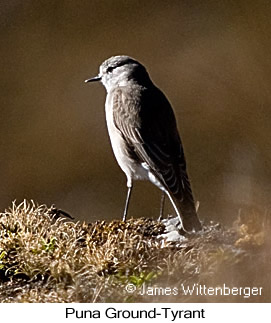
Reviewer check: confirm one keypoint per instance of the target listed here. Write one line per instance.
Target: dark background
(211, 58)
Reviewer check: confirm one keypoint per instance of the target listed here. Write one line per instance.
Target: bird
(144, 136)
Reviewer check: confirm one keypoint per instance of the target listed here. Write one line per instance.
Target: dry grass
(46, 258)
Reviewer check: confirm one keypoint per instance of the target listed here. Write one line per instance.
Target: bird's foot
(173, 230)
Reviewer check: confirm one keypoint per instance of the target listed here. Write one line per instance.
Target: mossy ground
(47, 258)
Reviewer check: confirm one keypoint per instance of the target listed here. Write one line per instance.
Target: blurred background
(211, 58)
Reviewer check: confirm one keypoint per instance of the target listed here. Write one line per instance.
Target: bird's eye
(109, 69)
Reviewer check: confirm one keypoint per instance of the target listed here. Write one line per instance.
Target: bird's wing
(147, 123)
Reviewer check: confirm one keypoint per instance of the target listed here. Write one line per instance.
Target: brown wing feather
(147, 123)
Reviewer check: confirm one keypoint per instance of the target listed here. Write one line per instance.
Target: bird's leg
(162, 204)
(176, 210)
(129, 191)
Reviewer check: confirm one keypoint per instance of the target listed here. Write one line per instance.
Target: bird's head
(120, 71)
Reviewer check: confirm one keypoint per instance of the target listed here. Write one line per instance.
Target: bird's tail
(186, 211)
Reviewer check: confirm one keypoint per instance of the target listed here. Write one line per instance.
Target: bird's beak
(94, 79)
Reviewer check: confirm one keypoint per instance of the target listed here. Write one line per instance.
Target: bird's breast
(130, 166)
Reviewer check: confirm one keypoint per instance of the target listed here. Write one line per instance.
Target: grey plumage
(144, 134)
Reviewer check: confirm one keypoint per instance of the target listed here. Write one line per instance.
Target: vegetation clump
(45, 257)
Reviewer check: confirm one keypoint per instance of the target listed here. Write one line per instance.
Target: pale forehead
(115, 61)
